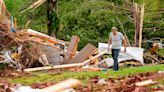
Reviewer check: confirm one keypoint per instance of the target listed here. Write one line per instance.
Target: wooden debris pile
(20, 49)
(152, 56)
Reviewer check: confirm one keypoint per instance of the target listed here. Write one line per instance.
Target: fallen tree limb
(65, 65)
(34, 5)
(128, 42)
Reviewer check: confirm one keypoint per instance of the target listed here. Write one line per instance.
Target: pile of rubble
(22, 50)
(19, 48)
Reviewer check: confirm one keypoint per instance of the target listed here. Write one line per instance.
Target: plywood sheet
(84, 54)
(72, 48)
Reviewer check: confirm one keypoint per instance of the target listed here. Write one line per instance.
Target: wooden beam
(41, 41)
(44, 36)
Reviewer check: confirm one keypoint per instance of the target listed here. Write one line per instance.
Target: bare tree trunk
(141, 25)
(51, 6)
(138, 13)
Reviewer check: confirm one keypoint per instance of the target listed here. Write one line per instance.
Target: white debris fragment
(102, 81)
(20, 88)
(160, 71)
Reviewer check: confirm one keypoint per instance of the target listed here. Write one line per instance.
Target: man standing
(116, 38)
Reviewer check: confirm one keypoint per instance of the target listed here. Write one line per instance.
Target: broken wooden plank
(72, 48)
(42, 42)
(65, 65)
(84, 54)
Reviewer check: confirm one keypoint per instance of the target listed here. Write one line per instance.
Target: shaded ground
(12, 73)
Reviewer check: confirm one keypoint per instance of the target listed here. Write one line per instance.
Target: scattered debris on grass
(137, 83)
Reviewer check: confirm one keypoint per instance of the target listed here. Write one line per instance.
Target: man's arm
(124, 45)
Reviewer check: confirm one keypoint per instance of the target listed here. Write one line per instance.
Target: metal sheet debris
(133, 53)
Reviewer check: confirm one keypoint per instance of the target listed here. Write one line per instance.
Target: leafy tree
(91, 19)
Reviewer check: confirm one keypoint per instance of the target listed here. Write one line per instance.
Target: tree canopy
(92, 20)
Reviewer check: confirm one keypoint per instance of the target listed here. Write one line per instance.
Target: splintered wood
(138, 14)
(84, 54)
(72, 48)
(5, 23)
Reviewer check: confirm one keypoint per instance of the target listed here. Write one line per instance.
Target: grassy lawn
(84, 76)
(161, 52)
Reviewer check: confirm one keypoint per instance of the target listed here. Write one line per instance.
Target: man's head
(114, 30)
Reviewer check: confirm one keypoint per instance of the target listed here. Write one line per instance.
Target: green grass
(84, 76)
(161, 52)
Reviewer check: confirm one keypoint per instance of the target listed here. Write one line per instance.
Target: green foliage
(161, 52)
(37, 17)
(91, 20)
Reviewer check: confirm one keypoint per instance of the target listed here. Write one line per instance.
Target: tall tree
(52, 17)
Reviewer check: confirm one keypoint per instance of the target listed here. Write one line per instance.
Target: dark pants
(115, 53)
